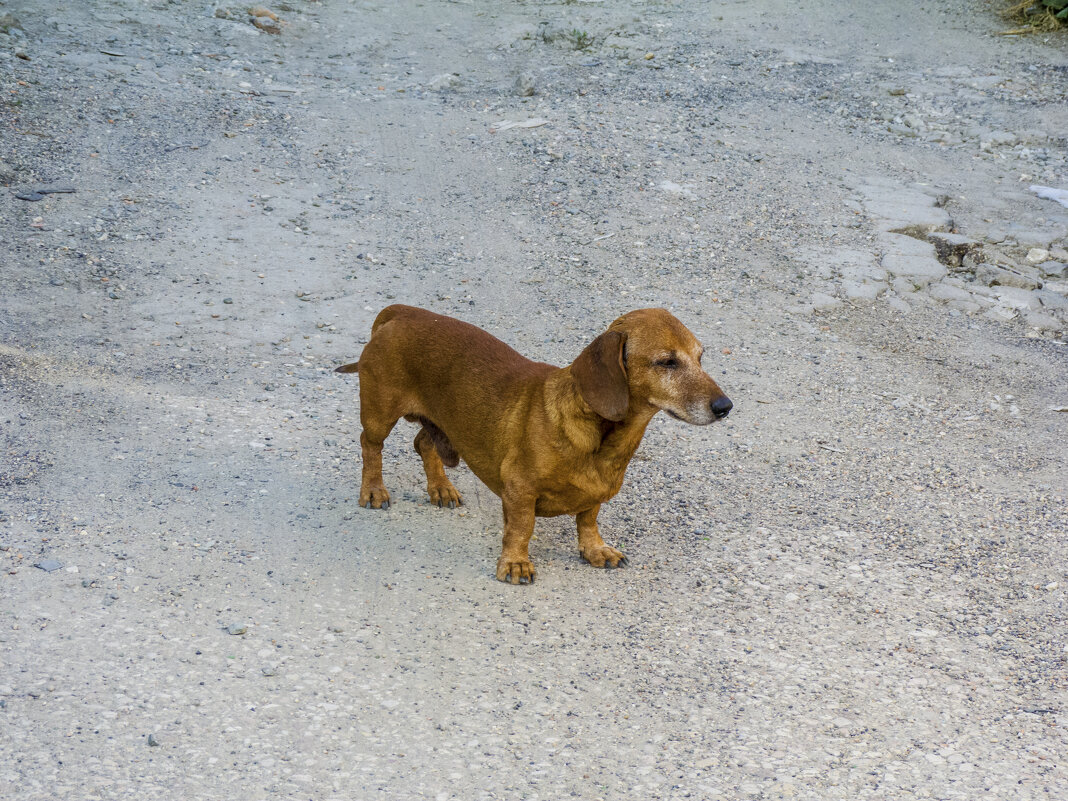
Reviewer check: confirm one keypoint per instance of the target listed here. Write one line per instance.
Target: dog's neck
(586, 430)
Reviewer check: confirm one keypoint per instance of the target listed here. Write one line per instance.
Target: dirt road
(852, 588)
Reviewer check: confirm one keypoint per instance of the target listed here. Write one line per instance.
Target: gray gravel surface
(853, 588)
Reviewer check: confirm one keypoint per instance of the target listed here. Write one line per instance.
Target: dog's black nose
(722, 406)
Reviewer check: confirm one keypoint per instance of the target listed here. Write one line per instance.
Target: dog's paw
(444, 495)
(374, 498)
(604, 556)
(517, 571)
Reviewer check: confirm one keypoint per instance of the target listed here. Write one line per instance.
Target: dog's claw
(624, 562)
(518, 572)
(367, 505)
(385, 504)
(604, 556)
(452, 504)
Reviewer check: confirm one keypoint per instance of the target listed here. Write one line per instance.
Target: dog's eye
(670, 363)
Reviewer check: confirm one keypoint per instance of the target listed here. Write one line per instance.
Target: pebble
(824, 302)
(1018, 297)
(999, 275)
(948, 292)
(237, 628)
(7, 174)
(524, 84)
(445, 80)
(863, 290)
(48, 565)
(1053, 269)
(1037, 255)
(153, 740)
(266, 24)
(1052, 300)
(1043, 321)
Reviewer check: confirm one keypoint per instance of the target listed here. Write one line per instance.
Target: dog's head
(648, 358)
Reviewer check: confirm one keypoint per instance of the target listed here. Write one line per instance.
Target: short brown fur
(547, 440)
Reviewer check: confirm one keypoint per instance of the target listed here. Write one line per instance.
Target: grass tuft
(1036, 16)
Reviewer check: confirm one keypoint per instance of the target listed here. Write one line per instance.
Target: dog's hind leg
(378, 416)
(430, 444)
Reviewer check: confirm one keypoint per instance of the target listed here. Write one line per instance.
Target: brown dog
(547, 440)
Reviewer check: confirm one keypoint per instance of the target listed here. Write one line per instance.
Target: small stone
(445, 80)
(866, 290)
(824, 302)
(228, 301)
(1052, 300)
(1053, 269)
(1037, 255)
(1000, 313)
(966, 306)
(904, 286)
(237, 628)
(7, 174)
(524, 84)
(267, 25)
(1042, 321)
(153, 740)
(54, 189)
(48, 565)
(948, 292)
(1001, 275)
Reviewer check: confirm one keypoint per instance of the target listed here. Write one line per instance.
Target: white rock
(1018, 298)
(445, 80)
(1049, 193)
(823, 302)
(897, 304)
(1052, 300)
(869, 290)
(1053, 269)
(910, 257)
(947, 292)
(675, 189)
(1000, 313)
(1003, 276)
(898, 206)
(966, 306)
(904, 286)
(1042, 321)
(1037, 255)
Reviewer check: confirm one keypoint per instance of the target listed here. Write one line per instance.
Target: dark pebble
(48, 565)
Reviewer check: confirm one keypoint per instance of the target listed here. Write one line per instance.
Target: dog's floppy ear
(601, 376)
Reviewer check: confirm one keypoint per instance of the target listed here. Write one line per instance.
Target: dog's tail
(348, 368)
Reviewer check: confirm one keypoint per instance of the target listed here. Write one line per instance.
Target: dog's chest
(578, 491)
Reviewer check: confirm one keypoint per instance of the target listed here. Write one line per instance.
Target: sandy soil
(853, 588)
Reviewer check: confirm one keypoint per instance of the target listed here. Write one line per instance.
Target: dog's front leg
(591, 546)
(514, 564)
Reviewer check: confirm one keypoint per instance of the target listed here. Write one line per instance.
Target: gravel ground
(853, 588)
